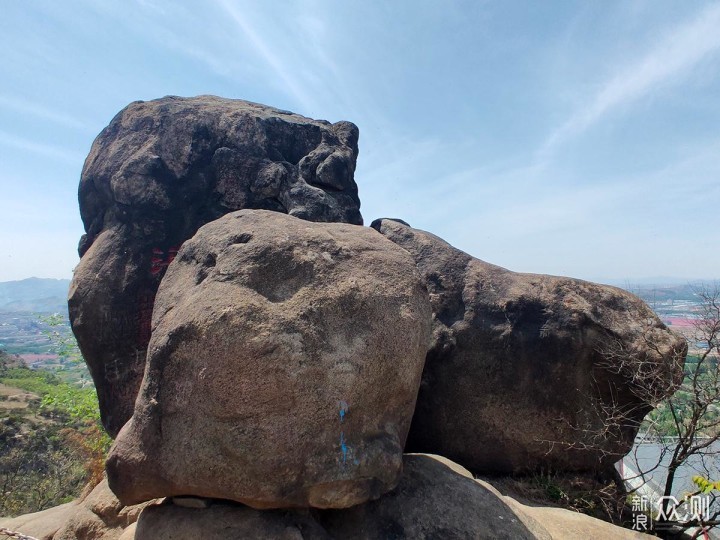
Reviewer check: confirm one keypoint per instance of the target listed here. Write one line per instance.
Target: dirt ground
(14, 398)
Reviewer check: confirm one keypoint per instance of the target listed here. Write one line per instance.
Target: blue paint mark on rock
(343, 447)
(343, 410)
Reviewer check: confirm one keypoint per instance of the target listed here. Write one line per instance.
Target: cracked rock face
(283, 367)
(530, 371)
(156, 174)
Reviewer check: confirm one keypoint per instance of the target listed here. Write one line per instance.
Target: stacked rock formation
(251, 342)
(153, 177)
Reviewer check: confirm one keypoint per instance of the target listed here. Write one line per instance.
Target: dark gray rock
(226, 521)
(156, 174)
(531, 371)
(432, 501)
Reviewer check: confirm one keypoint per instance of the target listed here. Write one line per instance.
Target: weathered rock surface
(529, 371)
(562, 524)
(158, 172)
(97, 516)
(283, 367)
(431, 501)
(225, 521)
(41, 525)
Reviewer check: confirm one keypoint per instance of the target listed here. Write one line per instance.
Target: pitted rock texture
(532, 371)
(156, 174)
(283, 367)
(430, 502)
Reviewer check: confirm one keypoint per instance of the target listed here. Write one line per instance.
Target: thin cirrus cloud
(306, 71)
(50, 151)
(670, 61)
(39, 111)
(264, 51)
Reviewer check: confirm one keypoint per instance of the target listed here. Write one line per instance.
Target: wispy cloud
(632, 224)
(263, 48)
(39, 111)
(50, 151)
(150, 4)
(298, 58)
(670, 61)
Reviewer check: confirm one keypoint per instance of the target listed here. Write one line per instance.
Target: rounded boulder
(283, 367)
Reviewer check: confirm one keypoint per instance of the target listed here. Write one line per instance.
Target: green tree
(686, 425)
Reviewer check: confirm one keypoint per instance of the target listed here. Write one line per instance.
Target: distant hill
(663, 293)
(36, 295)
(663, 289)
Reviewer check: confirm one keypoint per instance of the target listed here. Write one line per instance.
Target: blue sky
(570, 138)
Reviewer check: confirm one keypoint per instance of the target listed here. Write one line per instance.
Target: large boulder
(283, 367)
(434, 499)
(431, 501)
(156, 174)
(531, 371)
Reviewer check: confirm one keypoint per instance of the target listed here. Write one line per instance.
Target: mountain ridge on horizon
(33, 294)
(658, 281)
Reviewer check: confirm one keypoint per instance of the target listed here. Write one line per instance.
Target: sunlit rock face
(153, 177)
(283, 367)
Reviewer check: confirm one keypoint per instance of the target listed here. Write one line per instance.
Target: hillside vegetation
(51, 438)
